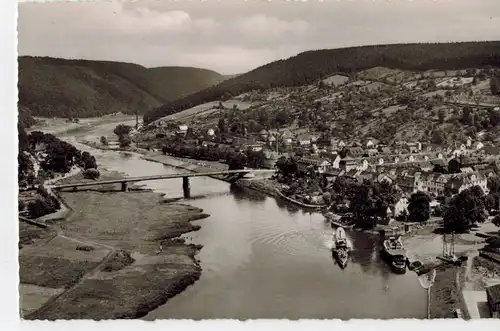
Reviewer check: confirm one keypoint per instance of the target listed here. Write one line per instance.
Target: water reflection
(242, 193)
(290, 208)
(364, 252)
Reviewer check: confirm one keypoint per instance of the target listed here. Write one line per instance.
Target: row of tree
(235, 160)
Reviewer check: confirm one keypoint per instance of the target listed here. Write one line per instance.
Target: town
(219, 161)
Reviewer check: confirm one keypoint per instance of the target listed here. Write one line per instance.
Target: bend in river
(263, 258)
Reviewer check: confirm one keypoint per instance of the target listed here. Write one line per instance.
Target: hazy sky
(233, 36)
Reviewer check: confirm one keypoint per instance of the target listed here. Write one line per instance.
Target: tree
(255, 159)
(363, 206)
(494, 184)
(287, 167)
(419, 207)
(124, 141)
(91, 173)
(104, 141)
(441, 115)
(454, 166)
(491, 201)
(222, 125)
(494, 85)
(437, 137)
(465, 210)
(88, 161)
(21, 205)
(122, 129)
(236, 161)
(39, 208)
(496, 220)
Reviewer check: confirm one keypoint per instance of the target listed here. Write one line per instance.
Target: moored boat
(395, 253)
(340, 249)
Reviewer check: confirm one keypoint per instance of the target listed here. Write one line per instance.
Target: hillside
(80, 88)
(309, 67)
(441, 107)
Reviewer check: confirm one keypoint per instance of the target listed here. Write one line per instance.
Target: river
(263, 258)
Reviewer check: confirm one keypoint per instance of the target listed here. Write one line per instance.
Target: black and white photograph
(194, 160)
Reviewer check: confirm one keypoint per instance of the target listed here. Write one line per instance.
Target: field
(204, 110)
(107, 253)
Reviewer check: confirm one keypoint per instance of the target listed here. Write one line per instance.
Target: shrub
(125, 141)
(85, 248)
(104, 141)
(91, 173)
(21, 205)
(39, 208)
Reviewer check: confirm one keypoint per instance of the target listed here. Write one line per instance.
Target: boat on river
(395, 253)
(340, 248)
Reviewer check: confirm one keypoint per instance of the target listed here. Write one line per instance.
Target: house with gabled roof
(355, 152)
(320, 165)
(304, 140)
(348, 164)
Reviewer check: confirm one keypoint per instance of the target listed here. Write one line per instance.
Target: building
(356, 152)
(467, 180)
(372, 143)
(183, 128)
(348, 164)
(253, 147)
(319, 165)
(493, 297)
(304, 140)
(210, 132)
(414, 147)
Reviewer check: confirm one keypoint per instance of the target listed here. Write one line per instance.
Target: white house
(210, 132)
(183, 128)
(364, 165)
(336, 162)
(469, 142)
(304, 140)
(401, 206)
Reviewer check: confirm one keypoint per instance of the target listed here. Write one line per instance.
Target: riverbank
(115, 250)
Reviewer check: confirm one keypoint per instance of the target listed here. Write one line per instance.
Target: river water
(263, 258)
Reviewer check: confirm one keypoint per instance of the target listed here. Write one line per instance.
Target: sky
(235, 36)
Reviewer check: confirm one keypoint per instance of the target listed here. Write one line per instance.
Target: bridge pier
(185, 187)
(124, 187)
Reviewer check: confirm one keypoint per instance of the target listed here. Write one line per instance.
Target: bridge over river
(185, 179)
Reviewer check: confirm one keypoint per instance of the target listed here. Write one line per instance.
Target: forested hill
(309, 67)
(82, 88)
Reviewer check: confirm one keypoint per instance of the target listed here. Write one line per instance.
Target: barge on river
(394, 253)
